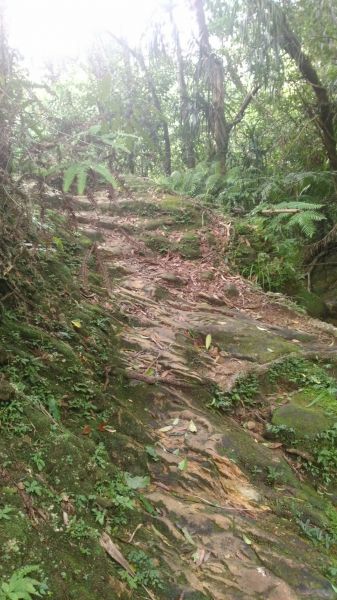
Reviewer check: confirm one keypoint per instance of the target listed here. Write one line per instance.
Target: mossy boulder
(306, 422)
(189, 246)
(158, 243)
(7, 392)
(244, 339)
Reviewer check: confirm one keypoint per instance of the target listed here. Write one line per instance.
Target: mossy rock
(162, 293)
(305, 421)
(189, 247)
(324, 400)
(245, 340)
(160, 222)
(207, 276)
(171, 201)
(7, 392)
(138, 207)
(158, 243)
(241, 447)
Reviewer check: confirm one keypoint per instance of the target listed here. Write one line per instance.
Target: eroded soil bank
(150, 393)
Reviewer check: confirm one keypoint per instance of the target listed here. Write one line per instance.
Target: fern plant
(80, 172)
(21, 586)
(305, 217)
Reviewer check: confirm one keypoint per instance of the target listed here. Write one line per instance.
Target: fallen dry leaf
(86, 430)
(111, 549)
(273, 445)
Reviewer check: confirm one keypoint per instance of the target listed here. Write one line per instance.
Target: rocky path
(190, 329)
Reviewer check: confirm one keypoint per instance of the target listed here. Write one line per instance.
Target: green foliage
(204, 180)
(324, 450)
(146, 573)
(281, 432)
(21, 586)
(317, 535)
(81, 171)
(79, 529)
(305, 220)
(120, 494)
(100, 457)
(5, 513)
(298, 371)
(244, 391)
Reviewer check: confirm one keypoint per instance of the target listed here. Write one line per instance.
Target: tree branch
(241, 112)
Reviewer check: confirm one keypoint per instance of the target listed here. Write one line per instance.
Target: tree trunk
(213, 73)
(290, 43)
(187, 134)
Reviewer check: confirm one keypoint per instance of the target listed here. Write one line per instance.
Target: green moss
(158, 243)
(247, 340)
(189, 246)
(324, 399)
(173, 202)
(304, 421)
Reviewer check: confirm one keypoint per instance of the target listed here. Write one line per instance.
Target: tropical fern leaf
(105, 173)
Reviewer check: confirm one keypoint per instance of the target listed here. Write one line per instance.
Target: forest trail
(219, 528)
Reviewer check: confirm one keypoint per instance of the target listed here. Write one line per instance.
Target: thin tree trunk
(156, 102)
(186, 129)
(290, 43)
(213, 69)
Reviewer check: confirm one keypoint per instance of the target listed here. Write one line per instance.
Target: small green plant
(301, 372)
(37, 459)
(21, 586)
(100, 515)
(79, 530)
(121, 496)
(245, 391)
(273, 475)
(146, 573)
(33, 487)
(281, 432)
(100, 456)
(324, 450)
(12, 419)
(316, 534)
(5, 513)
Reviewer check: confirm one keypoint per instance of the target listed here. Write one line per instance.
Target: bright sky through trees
(45, 30)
